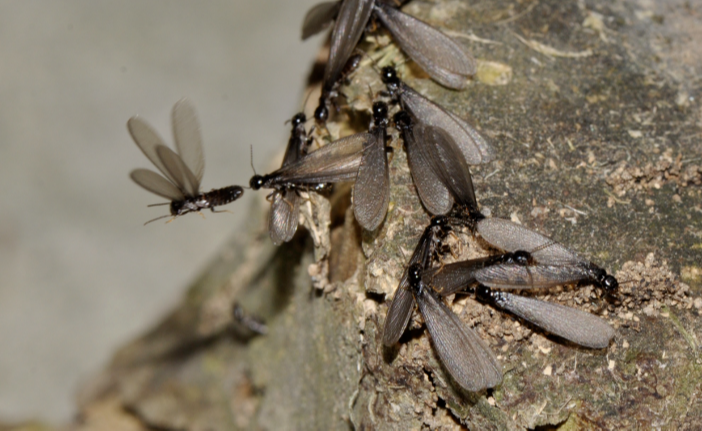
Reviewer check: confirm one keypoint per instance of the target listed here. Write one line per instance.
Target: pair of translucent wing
(335, 162)
(402, 303)
(183, 171)
(284, 215)
(351, 20)
(285, 204)
(569, 323)
(441, 57)
(371, 193)
(439, 170)
(447, 62)
(475, 149)
(469, 361)
(554, 264)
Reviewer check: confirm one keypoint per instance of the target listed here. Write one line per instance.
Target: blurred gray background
(79, 274)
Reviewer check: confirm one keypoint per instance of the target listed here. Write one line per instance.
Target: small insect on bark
(569, 323)
(475, 148)
(555, 263)
(445, 60)
(183, 170)
(371, 194)
(469, 361)
(338, 161)
(285, 202)
(400, 309)
(439, 171)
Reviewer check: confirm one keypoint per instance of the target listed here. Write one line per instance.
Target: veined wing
(183, 177)
(431, 190)
(441, 57)
(476, 150)
(156, 184)
(447, 163)
(452, 277)
(513, 276)
(148, 141)
(371, 194)
(284, 216)
(319, 17)
(335, 162)
(572, 324)
(348, 28)
(469, 361)
(511, 237)
(188, 139)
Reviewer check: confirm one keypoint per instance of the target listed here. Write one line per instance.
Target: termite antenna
(157, 218)
(252, 165)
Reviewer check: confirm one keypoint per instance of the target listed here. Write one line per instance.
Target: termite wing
(183, 170)
(475, 148)
(371, 194)
(335, 162)
(469, 361)
(446, 61)
(330, 92)
(401, 306)
(319, 17)
(556, 263)
(569, 323)
(285, 202)
(440, 173)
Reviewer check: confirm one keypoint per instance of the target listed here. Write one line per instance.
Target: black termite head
(402, 120)
(520, 257)
(486, 295)
(321, 113)
(380, 113)
(414, 276)
(604, 280)
(298, 119)
(257, 182)
(388, 75)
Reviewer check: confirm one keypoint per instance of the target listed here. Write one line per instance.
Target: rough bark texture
(594, 112)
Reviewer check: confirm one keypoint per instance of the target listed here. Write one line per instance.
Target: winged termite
(439, 171)
(330, 90)
(475, 149)
(319, 17)
(371, 194)
(351, 20)
(469, 361)
(183, 170)
(400, 309)
(446, 61)
(556, 263)
(335, 162)
(569, 323)
(453, 277)
(285, 203)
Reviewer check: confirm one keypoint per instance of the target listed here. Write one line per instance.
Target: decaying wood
(594, 112)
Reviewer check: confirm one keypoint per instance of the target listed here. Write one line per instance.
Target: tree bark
(594, 112)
